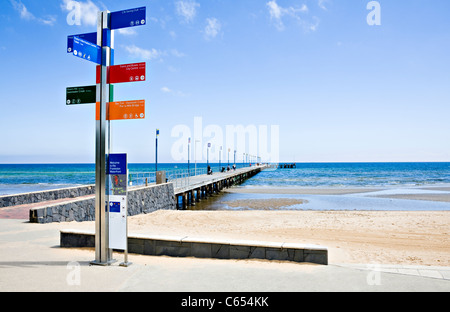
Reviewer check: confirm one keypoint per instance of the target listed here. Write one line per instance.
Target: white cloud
(187, 9)
(279, 13)
(143, 54)
(173, 34)
(212, 28)
(27, 15)
(177, 53)
(321, 4)
(173, 92)
(80, 13)
(127, 31)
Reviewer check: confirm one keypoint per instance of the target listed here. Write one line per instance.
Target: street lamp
(189, 144)
(156, 150)
(220, 155)
(207, 154)
(195, 156)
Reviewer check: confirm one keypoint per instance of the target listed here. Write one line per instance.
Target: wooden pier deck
(202, 186)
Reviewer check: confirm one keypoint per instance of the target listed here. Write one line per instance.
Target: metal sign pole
(103, 254)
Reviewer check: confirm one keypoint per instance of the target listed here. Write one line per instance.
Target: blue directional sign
(87, 50)
(128, 18)
(91, 37)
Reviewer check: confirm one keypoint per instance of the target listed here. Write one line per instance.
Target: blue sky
(337, 88)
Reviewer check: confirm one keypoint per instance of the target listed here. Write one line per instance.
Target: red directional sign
(125, 73)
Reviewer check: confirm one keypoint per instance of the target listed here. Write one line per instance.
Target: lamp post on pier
(220, 163)
(156, 150)
(189, 144)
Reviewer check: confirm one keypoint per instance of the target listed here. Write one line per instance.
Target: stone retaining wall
(36, 197)
(185, 246)
(141, 200)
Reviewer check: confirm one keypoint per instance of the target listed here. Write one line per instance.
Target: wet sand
(300, 191)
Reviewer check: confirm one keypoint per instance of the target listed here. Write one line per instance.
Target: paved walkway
(31, 260)
(23, 211)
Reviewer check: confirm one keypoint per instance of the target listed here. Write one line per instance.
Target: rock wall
(141, 200)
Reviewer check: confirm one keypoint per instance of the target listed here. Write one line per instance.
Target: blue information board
(117, 164)
(128, 18)
(87, 50)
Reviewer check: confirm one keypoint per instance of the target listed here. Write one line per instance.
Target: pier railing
(179, 177)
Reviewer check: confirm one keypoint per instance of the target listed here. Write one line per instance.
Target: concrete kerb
(185, 246)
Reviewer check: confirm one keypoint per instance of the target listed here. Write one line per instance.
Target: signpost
(110, 175)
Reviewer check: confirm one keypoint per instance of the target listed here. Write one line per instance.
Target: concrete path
(31, 260)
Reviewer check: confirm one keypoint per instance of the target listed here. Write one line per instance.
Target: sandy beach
(384, 237)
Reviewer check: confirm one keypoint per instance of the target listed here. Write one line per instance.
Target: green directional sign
(85, 95)
(81, 95)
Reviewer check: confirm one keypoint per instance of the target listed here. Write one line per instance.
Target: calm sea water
(23, 178)
(355, 175)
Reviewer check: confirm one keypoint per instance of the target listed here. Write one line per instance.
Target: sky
(287, 80)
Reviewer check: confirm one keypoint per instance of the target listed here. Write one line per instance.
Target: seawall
(141, 200)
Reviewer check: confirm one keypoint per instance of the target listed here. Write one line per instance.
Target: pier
(201, 187)
(178, 191)
(283, 166)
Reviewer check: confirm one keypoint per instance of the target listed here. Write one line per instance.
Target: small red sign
(124, 73)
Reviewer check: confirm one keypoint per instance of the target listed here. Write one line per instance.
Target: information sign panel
(124, 110)
(117, 173)
(87, 50)
(123, 73)
(118, 222)
(127, 73)
(81, 95)
(128, 18)
(91, 37)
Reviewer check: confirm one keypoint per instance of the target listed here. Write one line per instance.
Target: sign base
(125, 264)
(108, 263)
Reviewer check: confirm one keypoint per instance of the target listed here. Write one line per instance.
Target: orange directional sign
(123, 110)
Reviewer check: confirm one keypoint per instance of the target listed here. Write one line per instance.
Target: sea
(23, 178)
(384, 178)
